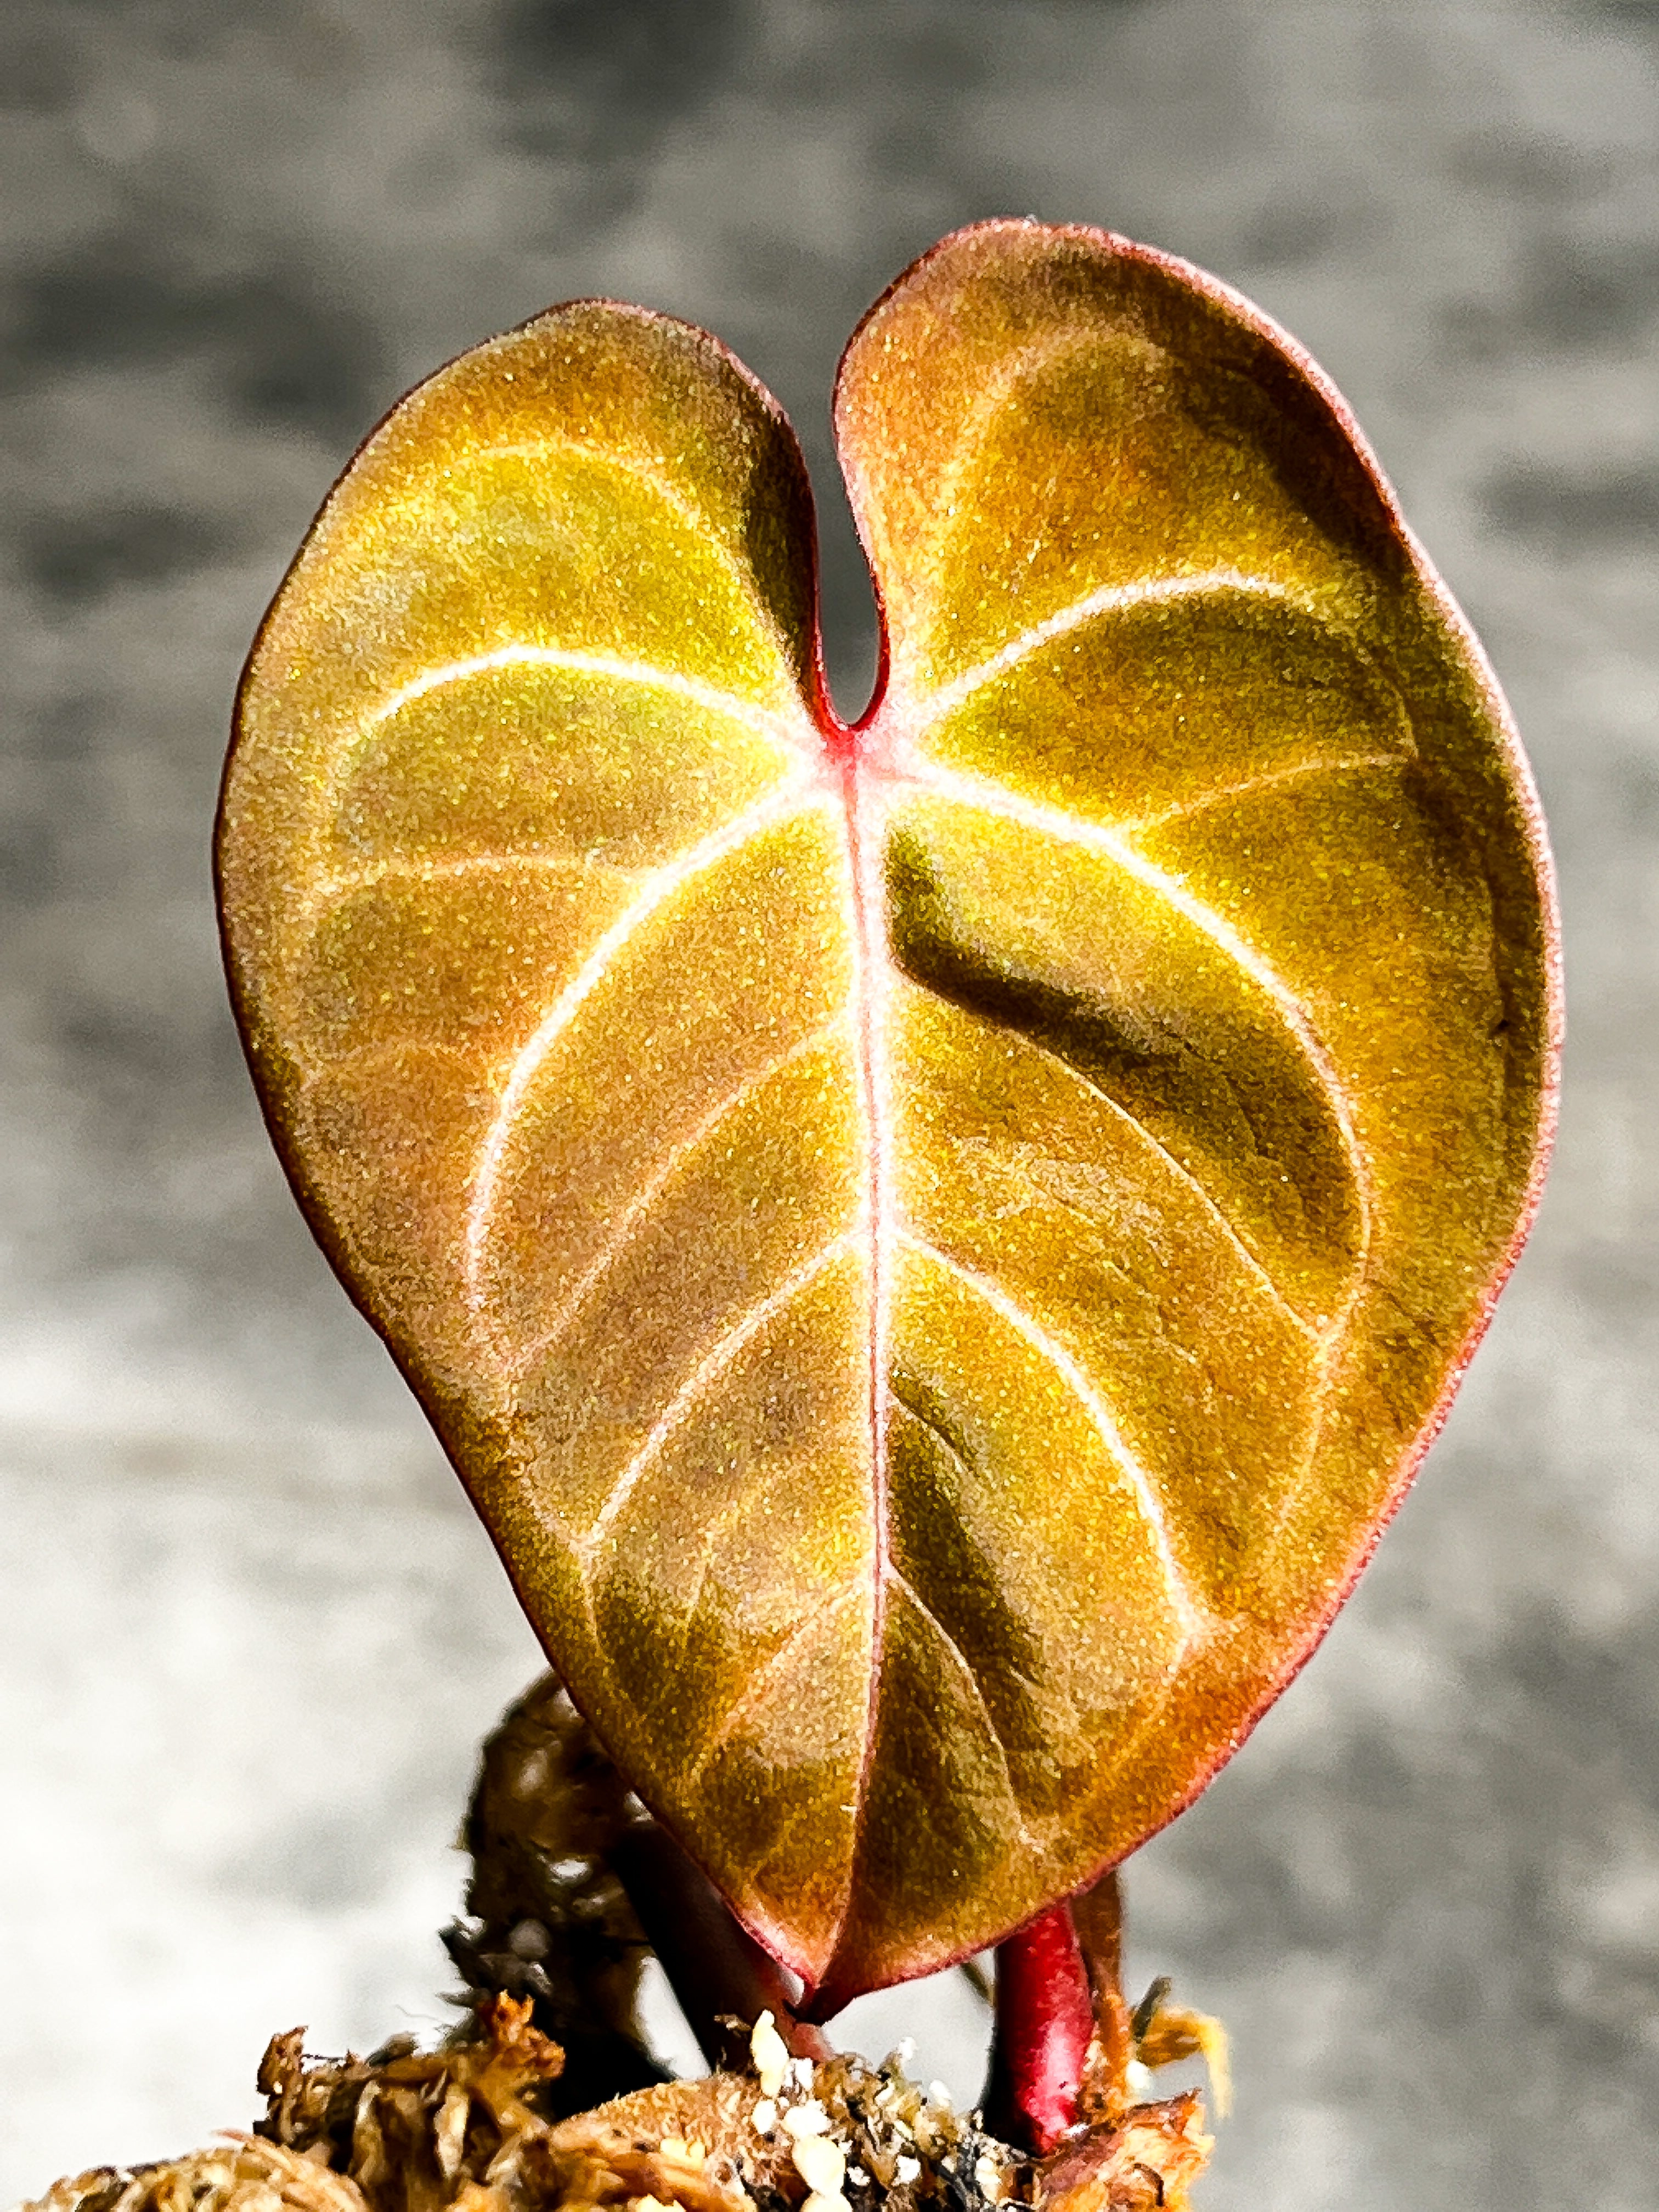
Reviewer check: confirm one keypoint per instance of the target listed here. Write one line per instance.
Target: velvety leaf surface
(935, 1248)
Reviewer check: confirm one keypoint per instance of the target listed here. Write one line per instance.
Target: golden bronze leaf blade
(1077, 942)
(462, 766)
(934, 1247)
(1203, 802)
(1145, 700)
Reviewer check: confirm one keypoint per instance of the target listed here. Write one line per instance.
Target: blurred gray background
(249, 1634)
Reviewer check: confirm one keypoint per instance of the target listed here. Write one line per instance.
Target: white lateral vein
(627, 1225)
(960, 1660)
(696, 523)
(995, 799)
(794, 734)
(1269, 780)
(613, 668)
(414, 869)
(1109, 598)
(1027, 363)
(1241, 1249)
(741, 1706)
(714, 1363)
(1191, 1615)
(658, 888)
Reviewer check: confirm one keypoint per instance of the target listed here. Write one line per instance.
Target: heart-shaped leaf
(935, 1248)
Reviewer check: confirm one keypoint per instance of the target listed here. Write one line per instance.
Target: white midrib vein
(867, 890)
(879, 1229)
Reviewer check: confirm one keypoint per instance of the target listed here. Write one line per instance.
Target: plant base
(520, 2110)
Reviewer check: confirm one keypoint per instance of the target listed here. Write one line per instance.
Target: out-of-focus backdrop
(249, 1634)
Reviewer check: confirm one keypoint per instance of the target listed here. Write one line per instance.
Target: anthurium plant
(935, 1244)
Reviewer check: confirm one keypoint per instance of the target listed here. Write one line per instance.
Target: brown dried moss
(468, 2126)
(518, 2111)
